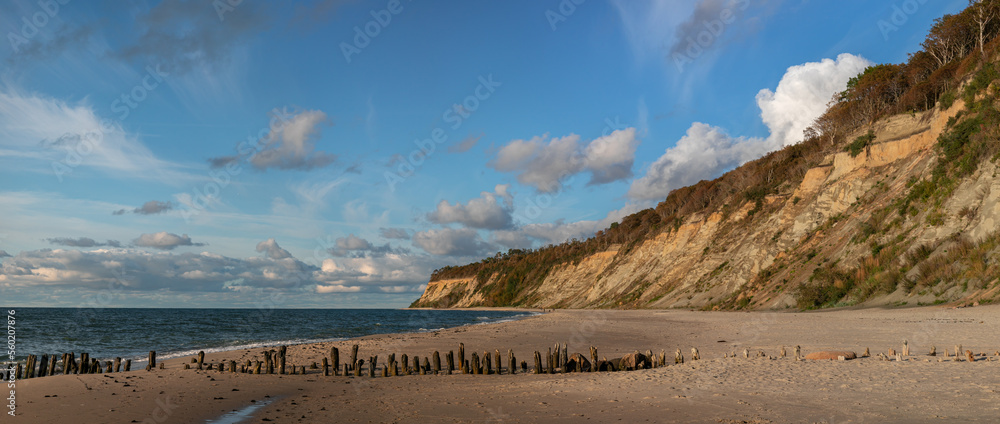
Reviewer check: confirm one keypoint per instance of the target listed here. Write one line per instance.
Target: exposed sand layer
(714, 389)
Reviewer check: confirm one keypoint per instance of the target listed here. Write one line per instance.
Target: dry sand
(714, 389)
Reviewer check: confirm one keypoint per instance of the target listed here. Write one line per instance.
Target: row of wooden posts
(46, 365)
(556, 360)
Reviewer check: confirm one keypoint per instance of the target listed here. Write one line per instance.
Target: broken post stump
(335, 360)
(152, 358)
(538, 362)
(437, 362)
(281, 359)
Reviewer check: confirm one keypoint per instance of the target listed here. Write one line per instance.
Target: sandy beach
(716, 389)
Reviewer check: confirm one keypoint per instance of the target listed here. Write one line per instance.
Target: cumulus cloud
(492, 211)
(354, 246)
(82, 242)
(151, 207)
(451, 242)
(394, 233)
(545, 164)
(706, 151)
(291, 145)
(803, 95)
(164, 241)
(273, 251)
(706, 12)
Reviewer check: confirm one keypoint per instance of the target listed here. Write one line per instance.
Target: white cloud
(706, 151)
(804, 94)
(293, 146)
(492, 211)
(273, 250)
(164, 241)
(66, 136)
(545, 164)
(451, 242)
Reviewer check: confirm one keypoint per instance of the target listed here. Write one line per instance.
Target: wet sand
(715, 389)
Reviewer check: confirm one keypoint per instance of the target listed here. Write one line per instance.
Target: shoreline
(729, 389)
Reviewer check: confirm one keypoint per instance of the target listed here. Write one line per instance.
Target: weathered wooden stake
(372, 363)
(933, 351)
(326, 367)
(565, 357)
(496, 360)
(866, 354)
(335, 360)
(798, 353)
(694, 354)
(118, 364)
(109, 369)
(475, 363)
(201, 358)
(405, 362)
(426, 369)
(268, 363)
(969, 357)
(84, 360)
(43, 366)
(152, 358)
(437, 362)
(593, 359)
(783, 353)
(354, 356)
(450, 357)
(461, 354)
(678, 357)
(67, 364)
(128, 365)
(557, 357)
(232, 367)
(357, 367)
(256, 367)
(281, 359)
(487, 364)
(511, 362)
(52, 365)
(416, 365)
(958, 351)
(906, 348)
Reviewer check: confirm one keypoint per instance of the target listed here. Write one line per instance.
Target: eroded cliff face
(711, 257)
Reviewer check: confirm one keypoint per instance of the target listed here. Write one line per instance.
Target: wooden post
(84, 360)
(354, 356)
(694, 354)
(451, 361)
(538, 362)
(372, 363)
(461, 355)
(29, 367)
(867, 353)
(783, 352)
(335, 360)
(118, 364)
(798, 353)
(933, 351)
(511, 362)
(326, 367)
(437, 362)
(475, 363)
(52, 365)
(128, 365)
(268, 364)
(558, 355)
(152, 358)
(109, 369)
(906, 348)
(43, 366)
(405, 362)
(524, 366)
(281, 359)
(958, 352)
(67, 365)
(201, 358)
(357, 367)
(256, 367)
(565, 357)
(663, 358)
(97, 368)
(416, 365)
(551, 368)
(426, 369)
(678, 357)
(593, 359)
(232, 367)
(17, 372)
(385, 370)
(487, 363)
(969, 357)
(346, 370)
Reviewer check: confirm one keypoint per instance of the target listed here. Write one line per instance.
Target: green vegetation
(860, 144)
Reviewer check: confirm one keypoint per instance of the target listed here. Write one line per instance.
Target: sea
(132, 333)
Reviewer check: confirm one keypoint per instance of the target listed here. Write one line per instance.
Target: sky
(333, 153)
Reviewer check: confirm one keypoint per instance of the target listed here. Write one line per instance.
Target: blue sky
(197, 153)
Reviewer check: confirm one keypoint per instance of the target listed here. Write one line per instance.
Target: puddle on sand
(240, 415)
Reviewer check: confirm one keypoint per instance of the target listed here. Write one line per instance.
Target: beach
(717, 388)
